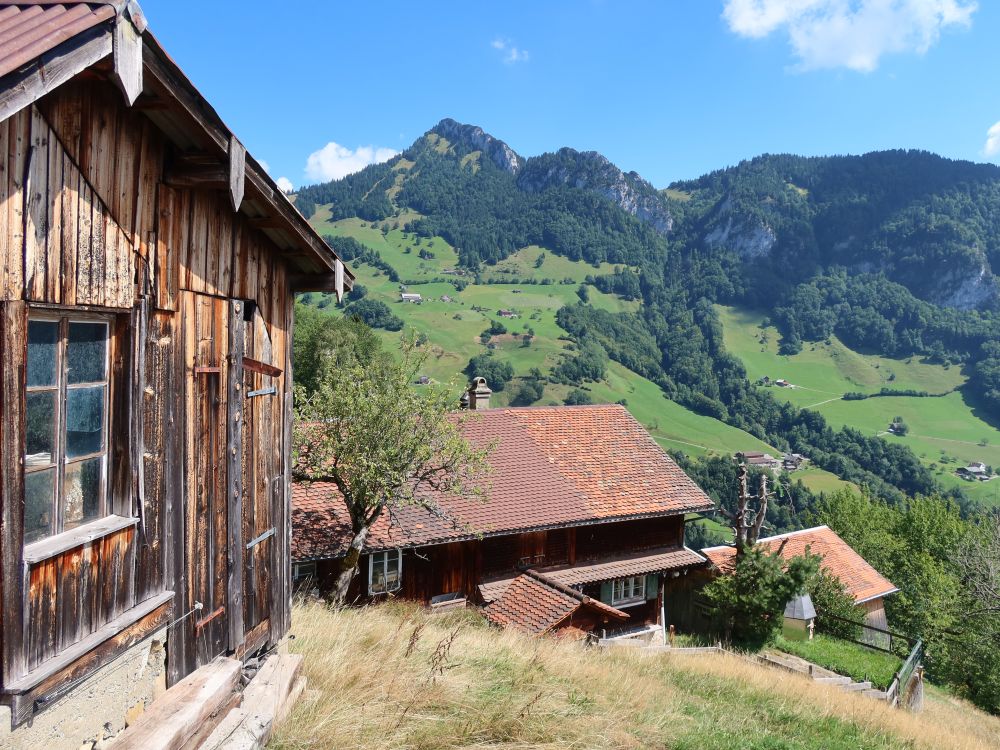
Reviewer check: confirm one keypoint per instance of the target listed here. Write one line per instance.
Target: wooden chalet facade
(147, 272)
(582, 526)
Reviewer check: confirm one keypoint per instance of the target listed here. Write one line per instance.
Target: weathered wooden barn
(147, 272)
(582, 527)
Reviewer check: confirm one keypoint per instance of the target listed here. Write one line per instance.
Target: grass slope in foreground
(394, 677)
(945, 432)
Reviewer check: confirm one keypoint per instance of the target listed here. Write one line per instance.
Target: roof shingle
(552, 467)
(861, 580)
(533, 604)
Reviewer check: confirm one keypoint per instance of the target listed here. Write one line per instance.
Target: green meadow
(944, 431)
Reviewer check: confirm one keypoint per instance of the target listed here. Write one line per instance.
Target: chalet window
(303, 573)
(631, 590)
(385, 572)
(66, 415)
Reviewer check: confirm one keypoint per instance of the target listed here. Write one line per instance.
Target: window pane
(87, 352)
(82, 492)
(392, 577)
(377, 583)
(38, 488)
(84, 421)
(40, 424)
(43, 345)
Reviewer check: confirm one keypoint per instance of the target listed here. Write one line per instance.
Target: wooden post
(127, 46)
(13, 349)
(237, 174)
(234, 471)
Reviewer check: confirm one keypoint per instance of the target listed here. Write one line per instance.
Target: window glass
(86, 352)
(38, 504)
(40, 428)
(377, 584)
(81, 492)
(84, 421)
(43, 346)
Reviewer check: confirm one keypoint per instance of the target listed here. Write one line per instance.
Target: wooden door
(262, 473)
(205, 332)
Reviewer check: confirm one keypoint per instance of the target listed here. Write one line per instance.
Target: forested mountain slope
(893, 253)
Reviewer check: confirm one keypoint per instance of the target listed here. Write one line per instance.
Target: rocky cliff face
(475, 138)
(750, 239)
(965, 289)
(592, 172)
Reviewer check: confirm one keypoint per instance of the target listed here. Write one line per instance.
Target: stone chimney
(479, 394)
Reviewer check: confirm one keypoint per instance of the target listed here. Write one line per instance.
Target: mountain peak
(476, 138)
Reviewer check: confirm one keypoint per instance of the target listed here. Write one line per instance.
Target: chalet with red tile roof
(582, 526)
(868, 587)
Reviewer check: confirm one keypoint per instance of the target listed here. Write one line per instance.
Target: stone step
(858, 686)
(187, 711)
(833, 680)
(266, 702)
(876, 694)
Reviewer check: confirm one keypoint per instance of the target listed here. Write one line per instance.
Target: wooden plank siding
(462, 566)
(190, 287)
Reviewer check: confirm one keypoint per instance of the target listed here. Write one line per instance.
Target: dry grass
(394, 677)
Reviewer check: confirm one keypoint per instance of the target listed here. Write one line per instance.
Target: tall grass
(395, 677)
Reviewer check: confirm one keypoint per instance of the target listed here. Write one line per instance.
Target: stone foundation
(98, 708)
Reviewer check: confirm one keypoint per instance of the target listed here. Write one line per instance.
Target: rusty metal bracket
(200, 624)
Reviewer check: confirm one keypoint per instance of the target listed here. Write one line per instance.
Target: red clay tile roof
(535, 605)
(634, 564)
(862, 581)
(552, 467)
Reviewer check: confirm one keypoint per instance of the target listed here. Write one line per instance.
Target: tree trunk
(349, 566)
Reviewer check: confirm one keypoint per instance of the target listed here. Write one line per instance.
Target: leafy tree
(497, 372)
(577, 397)
(829, 596)
(583, 293)
(375, 313)
(383, 444)
(527, 392)
(320, 337)
(750, 602)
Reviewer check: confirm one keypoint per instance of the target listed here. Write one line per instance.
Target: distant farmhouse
(506, 313)
(760, 460)
(865, 584)
(582, 530)
(974, 471)
(411, 297)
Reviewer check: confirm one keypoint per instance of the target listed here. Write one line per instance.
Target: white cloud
(510, 53)
(992, 147)
(334, 161)
(285, 185)
(851, 34)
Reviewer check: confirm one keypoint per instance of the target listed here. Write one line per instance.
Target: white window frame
(384, 562)
(628, 591)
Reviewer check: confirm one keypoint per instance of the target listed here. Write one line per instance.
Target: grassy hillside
(395, 677)
(945, 432)
(545, 282)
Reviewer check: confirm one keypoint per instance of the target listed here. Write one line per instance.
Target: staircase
(819, 674)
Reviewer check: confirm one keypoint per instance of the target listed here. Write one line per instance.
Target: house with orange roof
(582, 527)
(866, 585)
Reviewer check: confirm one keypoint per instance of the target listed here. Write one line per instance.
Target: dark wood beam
(200, 171)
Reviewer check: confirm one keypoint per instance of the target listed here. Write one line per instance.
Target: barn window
(385, 572)
(631, 590)
(66, 416)
(304, 573)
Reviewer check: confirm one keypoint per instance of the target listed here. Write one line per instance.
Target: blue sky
(671, 89)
